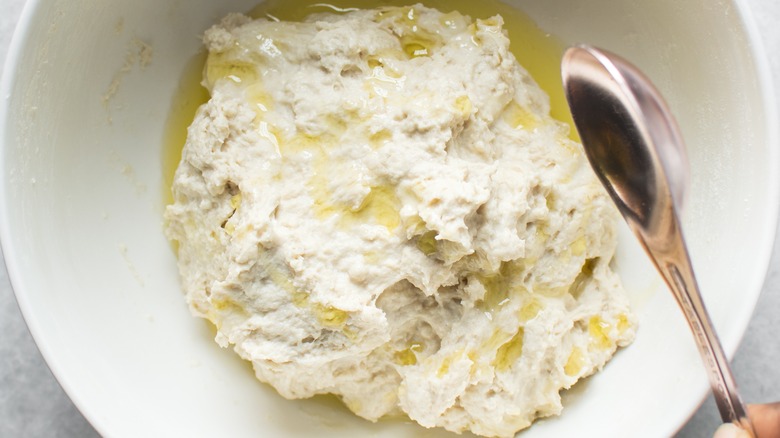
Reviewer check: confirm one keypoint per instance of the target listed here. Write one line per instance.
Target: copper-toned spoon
(634, 145)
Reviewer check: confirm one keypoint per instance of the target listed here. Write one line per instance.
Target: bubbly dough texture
(377, 204)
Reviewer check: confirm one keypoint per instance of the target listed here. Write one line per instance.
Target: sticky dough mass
(377, 204)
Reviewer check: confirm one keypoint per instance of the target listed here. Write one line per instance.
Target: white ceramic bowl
(81, 201)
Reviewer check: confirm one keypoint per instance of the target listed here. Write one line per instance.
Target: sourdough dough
(378, 205)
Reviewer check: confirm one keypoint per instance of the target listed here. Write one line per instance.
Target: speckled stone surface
(32, 404)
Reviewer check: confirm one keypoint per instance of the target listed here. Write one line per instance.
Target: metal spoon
(634, 145)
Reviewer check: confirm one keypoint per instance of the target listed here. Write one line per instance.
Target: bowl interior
(82, 201)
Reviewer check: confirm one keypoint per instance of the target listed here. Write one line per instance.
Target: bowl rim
(770, 109)
(21, 35)
(769, 226)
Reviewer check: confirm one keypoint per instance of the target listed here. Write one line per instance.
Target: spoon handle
(675, 267)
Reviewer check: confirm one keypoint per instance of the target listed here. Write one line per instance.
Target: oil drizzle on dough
(539, 53)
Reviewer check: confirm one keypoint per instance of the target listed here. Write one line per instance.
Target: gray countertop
(32, 404)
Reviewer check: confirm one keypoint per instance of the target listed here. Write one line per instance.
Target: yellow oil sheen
(535, 49)
(510, 352)
(622, 323)
(235, 201)
(446, 363)
(188, 97)
(220, 65)
(538, 51)
(530, 310)
(408, 356)
(330, 316)
(520, 117)
(575, 363)
(599, 332)
(500, 287)
(427, 243)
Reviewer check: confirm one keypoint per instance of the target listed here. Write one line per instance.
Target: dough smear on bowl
(378, 205)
